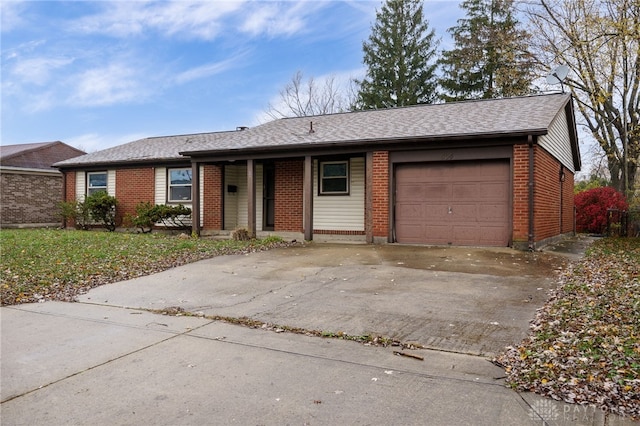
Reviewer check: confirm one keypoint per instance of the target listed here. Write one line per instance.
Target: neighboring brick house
(31, 187)
(463, 173)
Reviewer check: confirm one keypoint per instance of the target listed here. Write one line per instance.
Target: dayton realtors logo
(544, 412)
(556, 413)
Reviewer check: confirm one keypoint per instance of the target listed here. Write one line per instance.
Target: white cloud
(115, 83)
(195, 19)
(204, 20)
(275, 19)
(21, 49)
(38, 70)
(207, 70)
(11, 15)
(92, 142)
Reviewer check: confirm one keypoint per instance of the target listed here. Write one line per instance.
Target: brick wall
(289, 187)
(70, 188)
(546, 195)
(212, 201)
(549, 194)
(380, 181)
(568, 213)
(30, 199)
(69, 193)
(132, 187)
(520, 193)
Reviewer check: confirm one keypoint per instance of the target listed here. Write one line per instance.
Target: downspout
(64, 197)
(531, 228)
(195, 198)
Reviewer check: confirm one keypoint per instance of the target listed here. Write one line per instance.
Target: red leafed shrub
(592, 205)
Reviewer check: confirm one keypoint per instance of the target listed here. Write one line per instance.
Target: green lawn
(44, 264)
(584, 344)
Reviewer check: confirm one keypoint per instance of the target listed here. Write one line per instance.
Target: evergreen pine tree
(490, 57)
(398, 56)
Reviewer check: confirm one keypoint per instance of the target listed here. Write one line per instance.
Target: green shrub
(102, 207)
(77, 212)
(147, 215)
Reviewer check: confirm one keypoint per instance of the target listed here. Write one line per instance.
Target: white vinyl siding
(111, 182)
(557, 141)
(81, 186)
(236, 204)
(340, 212)
(231, 198)
(161, 185)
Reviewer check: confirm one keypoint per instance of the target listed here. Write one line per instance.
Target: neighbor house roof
(40, 155)
(468, 119)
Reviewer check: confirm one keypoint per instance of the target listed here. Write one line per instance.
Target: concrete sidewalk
(95, 365)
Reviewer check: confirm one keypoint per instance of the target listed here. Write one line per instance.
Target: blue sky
(95, 74)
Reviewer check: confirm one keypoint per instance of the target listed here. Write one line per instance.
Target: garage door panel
(411, 212)
(438, 233)
(492, 236)
(489, 170)
(465, 235)
(492, 213)
(461, 203)
(494, 191)
(435, 174)
(411, 233)
(466, 191)
(409, 192)
(435, 213)
(436, 192)
(463, 212)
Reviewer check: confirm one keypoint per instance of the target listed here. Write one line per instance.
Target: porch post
(195, 198)
(308, 199)
(368, 197)
(251, 197)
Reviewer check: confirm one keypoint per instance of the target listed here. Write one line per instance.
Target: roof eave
(363, 143)
(120, 163)
(573, 134)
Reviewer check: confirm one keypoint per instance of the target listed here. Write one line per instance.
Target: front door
(268, 196)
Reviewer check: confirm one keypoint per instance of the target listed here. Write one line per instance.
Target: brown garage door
(459, 203)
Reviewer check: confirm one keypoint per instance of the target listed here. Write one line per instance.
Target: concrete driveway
(105, 361)
(465, 300)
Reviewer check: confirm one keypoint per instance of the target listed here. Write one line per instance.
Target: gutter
(360, 143)
(29, 170)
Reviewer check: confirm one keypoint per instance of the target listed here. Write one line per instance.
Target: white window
(334, 178)
(179, 185)
(96, 182)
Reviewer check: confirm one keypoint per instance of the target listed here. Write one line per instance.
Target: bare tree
(599, 40)
(301, 98)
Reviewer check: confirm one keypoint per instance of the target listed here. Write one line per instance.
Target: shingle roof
(40, 155)
(160, 148)
(521, 115)
(532, 114)
(7, 151)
